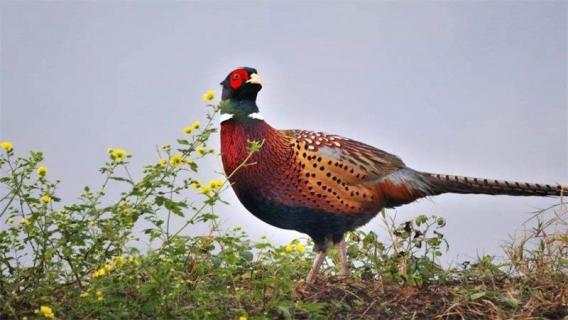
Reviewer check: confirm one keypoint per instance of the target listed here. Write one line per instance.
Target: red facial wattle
(237, 78)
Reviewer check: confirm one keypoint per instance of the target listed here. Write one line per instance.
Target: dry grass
(512, 299)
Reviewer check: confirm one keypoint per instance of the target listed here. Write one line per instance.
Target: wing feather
(340, 174)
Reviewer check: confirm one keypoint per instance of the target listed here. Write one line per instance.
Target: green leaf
(512, 303)
(122, 180)
(420, 219)
(477, 295)
(247, 255)
(284, 312)
(183, 142)
(254, 145)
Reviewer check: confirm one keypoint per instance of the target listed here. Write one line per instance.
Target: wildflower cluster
(213, 186)
(176, 161)
(45, 312)
(115, 263)
(192, 127)
(117, 154)
(295, 246)
(202, 151)
(78, 261)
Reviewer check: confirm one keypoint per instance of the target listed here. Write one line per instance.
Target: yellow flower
(119, 261)
(45, 199)
(100, 273)
(24, 221)
(295, 246)
(10, 220)
(243, 318)
(194, 126)
(216, 183)
(188, 130)
(176, 160)
(163, 162)
(99, 295)
(42, 171)
(46, 312)
(117, 154)
(206, 189)
(108, 267)
(91, 223)
(209, 95)
(133, 260)
(200, 150)
(84, 294)
(196, 184)
(7, 145)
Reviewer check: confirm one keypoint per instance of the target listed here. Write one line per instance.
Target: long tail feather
(443, 183)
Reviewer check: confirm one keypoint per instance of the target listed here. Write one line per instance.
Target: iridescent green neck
(238, 108)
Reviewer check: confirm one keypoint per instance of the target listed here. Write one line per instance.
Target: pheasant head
(240, 89)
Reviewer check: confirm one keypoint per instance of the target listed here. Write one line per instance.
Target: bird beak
(255, 78)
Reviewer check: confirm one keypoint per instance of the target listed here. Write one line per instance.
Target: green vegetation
(82, 260)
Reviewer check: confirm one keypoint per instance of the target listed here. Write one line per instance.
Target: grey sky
(470, 88)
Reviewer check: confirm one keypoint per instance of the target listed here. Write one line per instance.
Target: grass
(80, 260)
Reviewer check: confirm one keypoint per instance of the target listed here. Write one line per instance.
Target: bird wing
(340, 174)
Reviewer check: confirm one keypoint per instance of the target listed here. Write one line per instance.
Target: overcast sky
(469, 88)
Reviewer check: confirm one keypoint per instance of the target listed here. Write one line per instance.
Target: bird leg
(315, 267)
(343, 265)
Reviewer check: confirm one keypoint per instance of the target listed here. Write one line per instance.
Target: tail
(444, 183)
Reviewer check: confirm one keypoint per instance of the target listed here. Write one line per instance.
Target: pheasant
(325, 185)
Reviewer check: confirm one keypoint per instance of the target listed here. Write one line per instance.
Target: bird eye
(236, 76)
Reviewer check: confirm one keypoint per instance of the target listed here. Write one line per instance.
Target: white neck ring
(227, 116)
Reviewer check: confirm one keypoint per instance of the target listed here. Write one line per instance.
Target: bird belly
(318, 224)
